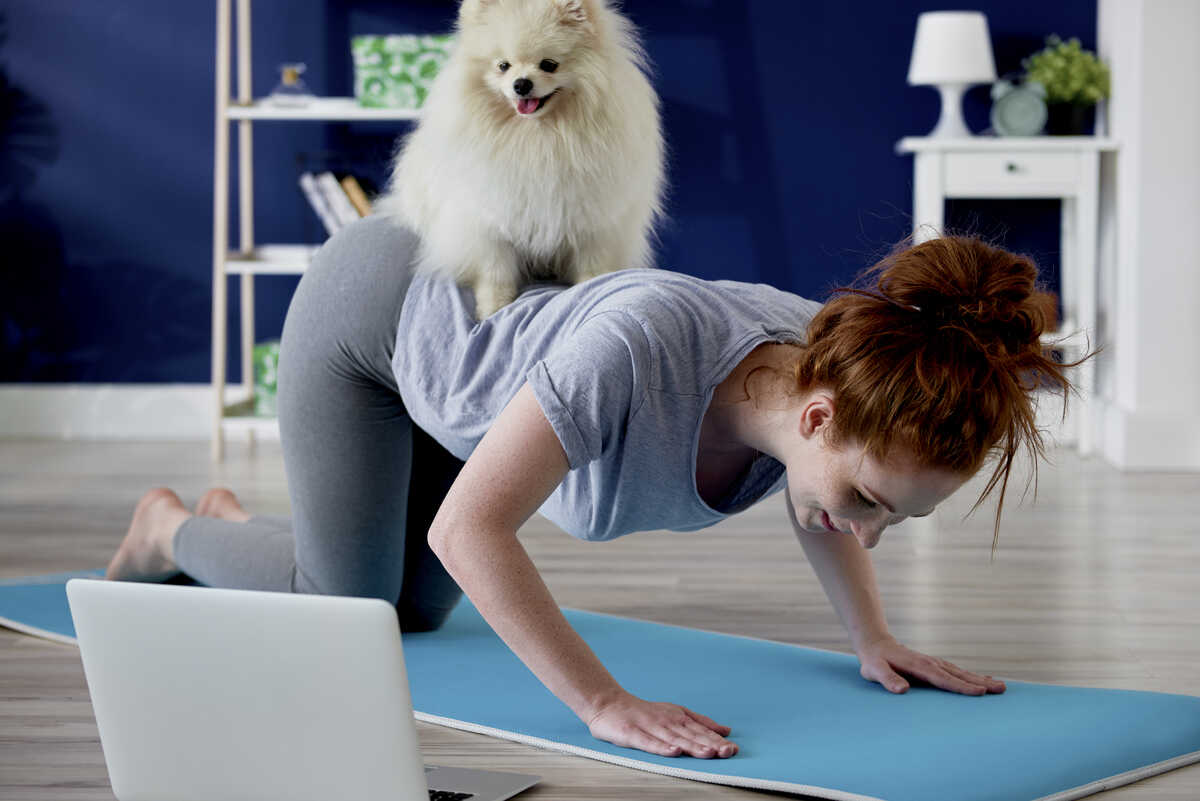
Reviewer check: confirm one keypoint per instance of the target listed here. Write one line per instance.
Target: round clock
(1018, 110)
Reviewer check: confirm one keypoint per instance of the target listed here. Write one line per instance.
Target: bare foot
(222, 503)
(146, 552)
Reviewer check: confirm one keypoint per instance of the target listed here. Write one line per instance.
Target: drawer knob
(1012, 167)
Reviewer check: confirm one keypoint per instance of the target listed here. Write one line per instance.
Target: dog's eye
(548, 65)
(503, 66)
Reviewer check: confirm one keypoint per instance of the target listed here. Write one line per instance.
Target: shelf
(322, 108)
(240, 417)
(271, 260)
(914, 144)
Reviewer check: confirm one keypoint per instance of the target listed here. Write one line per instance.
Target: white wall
(1150, 254)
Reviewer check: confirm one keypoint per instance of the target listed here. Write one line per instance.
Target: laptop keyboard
(446, 795)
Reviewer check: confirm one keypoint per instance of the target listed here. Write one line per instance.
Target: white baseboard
(1149, 442)
(106, 411)
(184, 411)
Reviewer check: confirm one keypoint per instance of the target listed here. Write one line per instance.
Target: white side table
(1066, 167)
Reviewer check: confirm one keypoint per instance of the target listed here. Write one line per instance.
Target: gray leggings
(364, 481)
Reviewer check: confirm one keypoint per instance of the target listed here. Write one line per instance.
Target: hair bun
(981, 311)
(957, 282)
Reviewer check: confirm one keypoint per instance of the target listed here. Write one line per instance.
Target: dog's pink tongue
(527, 105)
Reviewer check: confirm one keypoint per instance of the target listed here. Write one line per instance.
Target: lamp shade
(951, 47)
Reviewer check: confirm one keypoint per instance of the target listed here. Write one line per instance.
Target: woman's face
(844, 491)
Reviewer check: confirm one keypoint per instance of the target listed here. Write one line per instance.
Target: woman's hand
(660, 728)
(884, 659)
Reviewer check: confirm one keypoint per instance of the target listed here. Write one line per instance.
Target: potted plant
(1075, 81)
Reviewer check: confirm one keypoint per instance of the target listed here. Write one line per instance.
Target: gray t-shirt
(623, 366)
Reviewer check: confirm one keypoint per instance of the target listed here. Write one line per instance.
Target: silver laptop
(206, 694)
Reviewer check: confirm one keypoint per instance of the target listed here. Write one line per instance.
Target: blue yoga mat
(804, 719)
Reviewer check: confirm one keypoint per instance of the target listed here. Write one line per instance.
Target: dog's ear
(576, 13)
(472, 10)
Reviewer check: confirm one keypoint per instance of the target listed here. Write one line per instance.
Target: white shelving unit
(233, 406)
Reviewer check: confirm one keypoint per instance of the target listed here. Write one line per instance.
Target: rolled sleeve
(593, 383)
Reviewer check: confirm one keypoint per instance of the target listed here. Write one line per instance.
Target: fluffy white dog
(539, 153)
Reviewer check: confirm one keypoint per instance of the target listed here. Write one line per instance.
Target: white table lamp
(951, 51)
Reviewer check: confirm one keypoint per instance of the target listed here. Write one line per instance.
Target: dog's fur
(565, 193)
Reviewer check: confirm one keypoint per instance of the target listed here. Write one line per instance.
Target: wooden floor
(1096, 584)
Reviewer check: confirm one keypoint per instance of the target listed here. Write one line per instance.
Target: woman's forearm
(848, 578)
(496, 573)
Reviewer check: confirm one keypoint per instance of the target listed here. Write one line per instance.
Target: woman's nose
(868, 535)
(868, 532)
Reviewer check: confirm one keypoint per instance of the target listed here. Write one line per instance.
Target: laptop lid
(205, 694)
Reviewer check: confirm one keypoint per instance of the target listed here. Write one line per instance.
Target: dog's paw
(491, 298)
(594, 262)
(587, 275)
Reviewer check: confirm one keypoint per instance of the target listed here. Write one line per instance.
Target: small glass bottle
(291, 91)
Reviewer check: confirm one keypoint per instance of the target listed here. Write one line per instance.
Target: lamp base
(950, 124)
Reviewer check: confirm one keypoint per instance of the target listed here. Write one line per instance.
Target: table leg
(1071, 265)
(929, 202)
(1086, 259)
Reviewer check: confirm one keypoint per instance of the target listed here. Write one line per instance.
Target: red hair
(937, 351)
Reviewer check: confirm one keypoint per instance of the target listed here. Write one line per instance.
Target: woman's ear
(816, 416)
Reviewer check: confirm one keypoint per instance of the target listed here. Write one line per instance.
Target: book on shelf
(316, 199)
(335, 196)
(337, 203)
(357, 196)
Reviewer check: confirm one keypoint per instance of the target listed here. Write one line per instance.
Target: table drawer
(968, 173)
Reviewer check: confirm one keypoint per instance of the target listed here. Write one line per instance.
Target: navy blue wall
(781, 118)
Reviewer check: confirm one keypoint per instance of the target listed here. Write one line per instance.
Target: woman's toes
(145, 552)
(222, 503)
(211, 501)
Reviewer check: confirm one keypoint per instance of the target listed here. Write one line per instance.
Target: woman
(620, 404)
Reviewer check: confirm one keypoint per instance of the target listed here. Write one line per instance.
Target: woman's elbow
(440, 542)
(452, 543)
(462, 547)
(445, 528)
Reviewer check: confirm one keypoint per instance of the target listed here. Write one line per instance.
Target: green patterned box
(266, 368)
(396, 71)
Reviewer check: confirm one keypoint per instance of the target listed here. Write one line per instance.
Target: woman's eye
(863, 500)
(503, 66)
(548, 65)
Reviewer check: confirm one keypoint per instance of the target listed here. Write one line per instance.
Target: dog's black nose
(522, 86)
